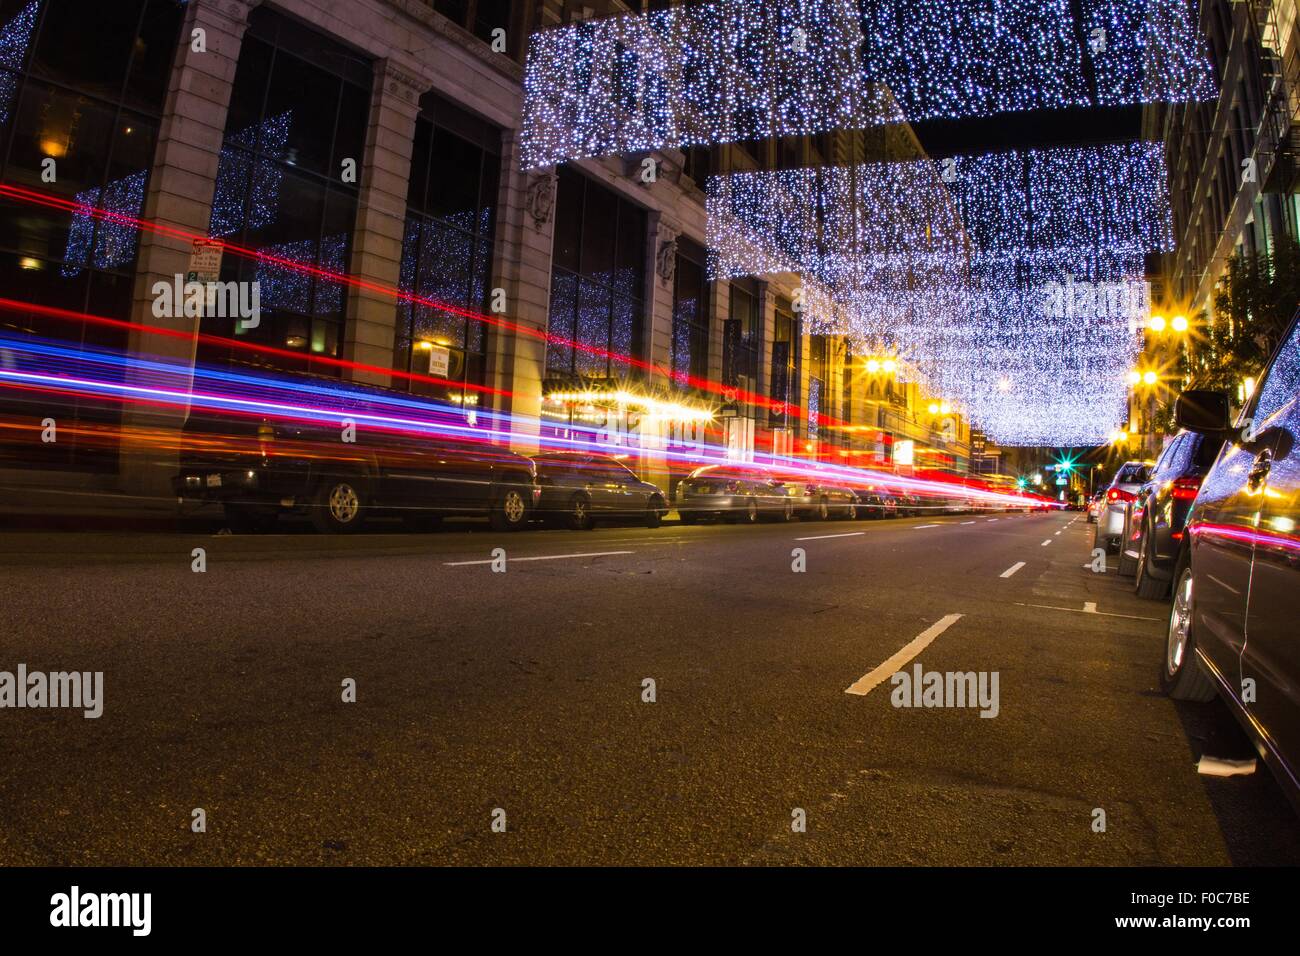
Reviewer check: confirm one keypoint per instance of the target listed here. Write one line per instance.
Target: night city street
(522, 690)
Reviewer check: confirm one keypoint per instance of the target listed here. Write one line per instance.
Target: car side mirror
(1203, 411)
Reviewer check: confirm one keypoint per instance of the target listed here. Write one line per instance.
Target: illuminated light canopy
(720, 72)
(950, 59)
(1012, 281)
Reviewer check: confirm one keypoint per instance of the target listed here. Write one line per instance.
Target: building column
(381, 219)
(661, 273)
(521, 264)
(182, 182)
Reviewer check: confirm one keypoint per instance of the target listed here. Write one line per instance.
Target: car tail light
(1119, 494)
(1185, 489)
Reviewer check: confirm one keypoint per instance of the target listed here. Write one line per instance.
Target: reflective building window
(299, 109)
(447, 251)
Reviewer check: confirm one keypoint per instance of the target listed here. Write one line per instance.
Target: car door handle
(1259, 471)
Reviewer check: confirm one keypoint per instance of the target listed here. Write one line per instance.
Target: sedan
(724, 493)
(821, 501)
(1232, 629)
(580, 489)
(1155, 520)
(1132, 475)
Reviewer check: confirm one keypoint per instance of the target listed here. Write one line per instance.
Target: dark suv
(260, 470)
(1233, 627)
(1154, 520)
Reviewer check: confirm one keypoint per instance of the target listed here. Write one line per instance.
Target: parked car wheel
(338, 506)
(787, 512)
(750, 514)
(241, 519)
(654, 515)
(823, 510)
(509, 511)
(1180, 676)
(1145, 584)
(578, 516)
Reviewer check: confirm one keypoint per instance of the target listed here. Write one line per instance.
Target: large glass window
(299, 109)
(82, 85)
(447, 250)
(817, 377)
(742, 338)
(786, 358)
(691, 311)
(597, 282)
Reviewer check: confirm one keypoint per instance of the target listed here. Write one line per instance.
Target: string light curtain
(721, 72)
(1010, 281)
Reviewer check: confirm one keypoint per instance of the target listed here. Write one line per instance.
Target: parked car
(1154, 521)
(908, 505)
(1232, 627)
(1123, 488)
(261, 470)
(580, 489)
(816, 500)
(1094, 506)
(875, 504)
(726, 493)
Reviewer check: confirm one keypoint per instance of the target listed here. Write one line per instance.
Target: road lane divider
(545, 557)
(869, 681)
(827, 537)
(1012, 570)
(1046, 543)
(922, 527)
(1089, 608)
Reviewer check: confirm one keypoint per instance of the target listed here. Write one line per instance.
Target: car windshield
(1133, 474)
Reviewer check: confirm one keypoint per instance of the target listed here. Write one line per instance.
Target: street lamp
(1150, 378)
(1180, 323)
(1156, 323)
(873, 366)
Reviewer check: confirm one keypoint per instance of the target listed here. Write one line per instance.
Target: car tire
(244, 520)
(1180, 676)
(654, 515)
(577, 517)
(787, 512)
(751, 512)
(339, 505)
(823, 510)
(1146, 585)
(509, 510)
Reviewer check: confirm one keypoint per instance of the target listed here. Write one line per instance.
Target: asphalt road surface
(479, 691)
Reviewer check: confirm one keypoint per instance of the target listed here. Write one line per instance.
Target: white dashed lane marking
(867, 682)
(546, 557)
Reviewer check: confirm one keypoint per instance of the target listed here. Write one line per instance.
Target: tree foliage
(1254, 305)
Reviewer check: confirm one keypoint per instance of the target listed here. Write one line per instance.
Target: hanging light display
(1012, 281)
(720, 72)
(951, 59)
(15, 37)
(736, 70)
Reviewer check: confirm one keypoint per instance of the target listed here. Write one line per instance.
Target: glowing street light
(1149, 378)
(1156, 323)
(873, 366)
(890, 366)
(1180, 323)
